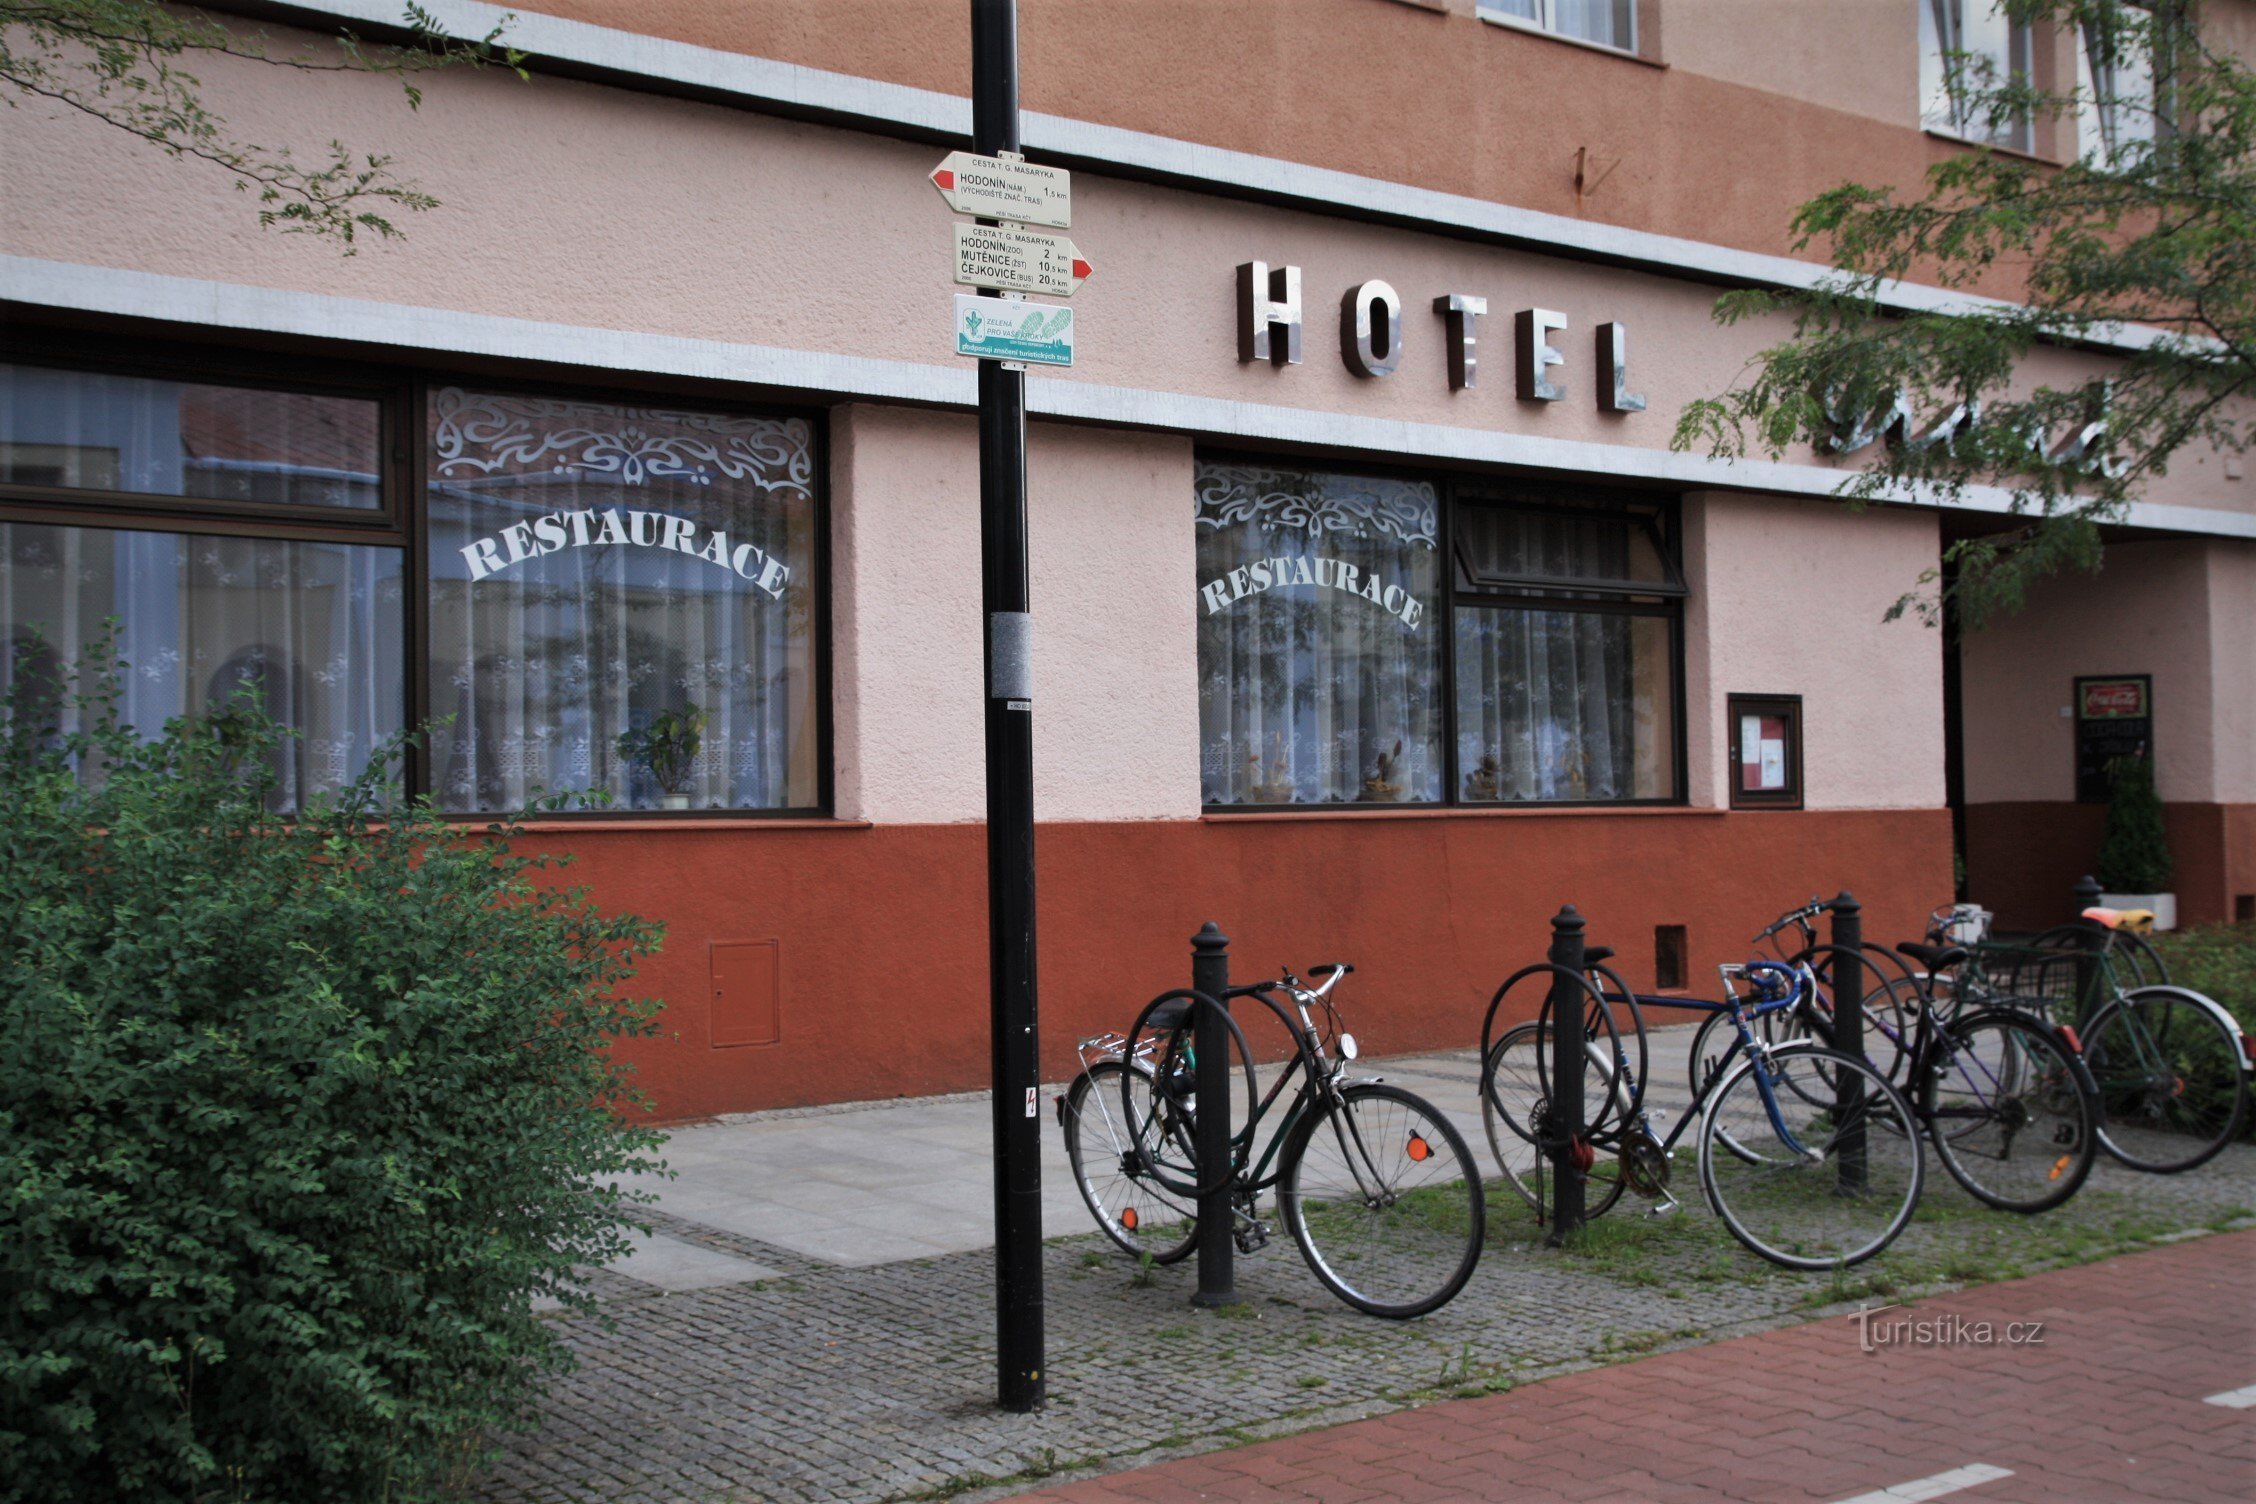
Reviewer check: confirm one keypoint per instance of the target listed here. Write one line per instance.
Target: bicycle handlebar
(1806, 912)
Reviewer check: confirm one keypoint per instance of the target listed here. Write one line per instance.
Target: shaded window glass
(1320, 651)
(84, 430)
(314, 628)
(1503, 548)
(605, 579)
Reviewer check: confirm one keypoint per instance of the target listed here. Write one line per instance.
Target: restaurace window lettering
(556, 531)
(1331, 574)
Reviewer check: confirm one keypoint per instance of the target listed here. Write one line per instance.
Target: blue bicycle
(1810, 1157)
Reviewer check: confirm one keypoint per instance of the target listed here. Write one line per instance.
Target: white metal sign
(1018, 260)
(1004, 188)
(1035, 334)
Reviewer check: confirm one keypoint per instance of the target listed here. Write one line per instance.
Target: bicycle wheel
(2008, 1114)
(1512, 1107)
(1137, 1213)
(1384, 1200)
(2171, 1090)
(1609, 1089)
(1805, 1185)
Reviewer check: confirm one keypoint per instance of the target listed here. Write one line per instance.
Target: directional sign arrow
(1003, 188)
(1019, 260)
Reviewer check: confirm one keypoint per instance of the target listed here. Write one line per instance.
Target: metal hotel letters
(1371, 336)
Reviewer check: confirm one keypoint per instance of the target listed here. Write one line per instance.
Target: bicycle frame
(1743, 1013)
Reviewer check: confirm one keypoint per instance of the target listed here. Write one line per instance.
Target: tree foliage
(297, 1117)
(2152, 234)
(125, 63)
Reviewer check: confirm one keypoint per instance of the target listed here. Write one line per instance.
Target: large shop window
(598, 572)
(314, 624)
(608, 599)
(1347, 657)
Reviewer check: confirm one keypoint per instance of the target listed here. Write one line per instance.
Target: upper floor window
(2119, 108)
(1609, 23)
(1969, 49)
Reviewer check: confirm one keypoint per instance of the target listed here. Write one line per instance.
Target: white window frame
(1546, 21)
(1942, 31)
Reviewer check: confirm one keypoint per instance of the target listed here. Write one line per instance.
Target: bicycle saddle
(1595, 955)
(1933, 957)
(1169, 1016)
(1329, 967)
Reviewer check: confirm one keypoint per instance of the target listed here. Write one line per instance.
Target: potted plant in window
(667, 748)
(2134, 851)
(1385, 783)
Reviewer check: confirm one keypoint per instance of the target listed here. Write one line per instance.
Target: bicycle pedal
(1252, 1237)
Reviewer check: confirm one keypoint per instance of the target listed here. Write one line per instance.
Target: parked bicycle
(2170, 1065)
(2002, 1094)
(1809, 1156)
(1377, 1187)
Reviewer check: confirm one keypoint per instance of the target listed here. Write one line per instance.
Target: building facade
(1375, 616)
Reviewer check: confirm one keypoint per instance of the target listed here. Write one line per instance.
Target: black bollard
(2091, 937)
(1566, 1125)
(1848, 1035)
(1217, 1248)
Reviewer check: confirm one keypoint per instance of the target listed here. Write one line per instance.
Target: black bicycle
(1377, 1187)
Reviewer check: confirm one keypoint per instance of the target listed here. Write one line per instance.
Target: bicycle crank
(1645, 1165)
(1249, 1232)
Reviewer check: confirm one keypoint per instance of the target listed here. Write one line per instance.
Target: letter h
(1268, 301)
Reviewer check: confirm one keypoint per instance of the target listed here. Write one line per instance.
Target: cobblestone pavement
(2130, 1379)
(822, 1380)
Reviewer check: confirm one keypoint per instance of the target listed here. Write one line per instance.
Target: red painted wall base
(879, 983)
(2023, 860)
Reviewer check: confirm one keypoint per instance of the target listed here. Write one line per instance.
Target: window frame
(1788, 708)
(1544, 23)
(402, 392)
(1539, 494)
(2020, 62)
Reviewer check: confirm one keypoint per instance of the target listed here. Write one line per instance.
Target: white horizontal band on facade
(756, 83)
(446, 331)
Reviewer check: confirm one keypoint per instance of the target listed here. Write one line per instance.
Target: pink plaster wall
(2232, 627)
(908, 739)
(1850, 55)
(1115, 631)
(592, 206)
(1113, 560)
(1787, 598)
(2150, 610)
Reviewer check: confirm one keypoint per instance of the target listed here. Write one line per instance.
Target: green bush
(2218, 959)
(2134, 852)
(296, 1118)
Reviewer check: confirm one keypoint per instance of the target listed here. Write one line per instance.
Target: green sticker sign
(1035, 334)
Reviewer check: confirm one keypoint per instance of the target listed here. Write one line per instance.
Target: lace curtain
(1563, 705)
(316, 627)
(594, 567)
(1319, 639)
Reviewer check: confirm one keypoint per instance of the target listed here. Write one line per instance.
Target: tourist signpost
(1005, 333)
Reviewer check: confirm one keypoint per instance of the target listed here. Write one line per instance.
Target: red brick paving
(2108, 1408)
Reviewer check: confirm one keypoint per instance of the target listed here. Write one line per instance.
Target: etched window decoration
(622, 599)
(1320, 653)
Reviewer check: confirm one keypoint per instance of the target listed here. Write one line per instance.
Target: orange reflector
(2059, 1168)
(1419, 1148)
(1128, 1218)
(2068, 1032)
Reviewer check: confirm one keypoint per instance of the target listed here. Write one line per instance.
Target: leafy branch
(122, 62)
(2152, 229)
